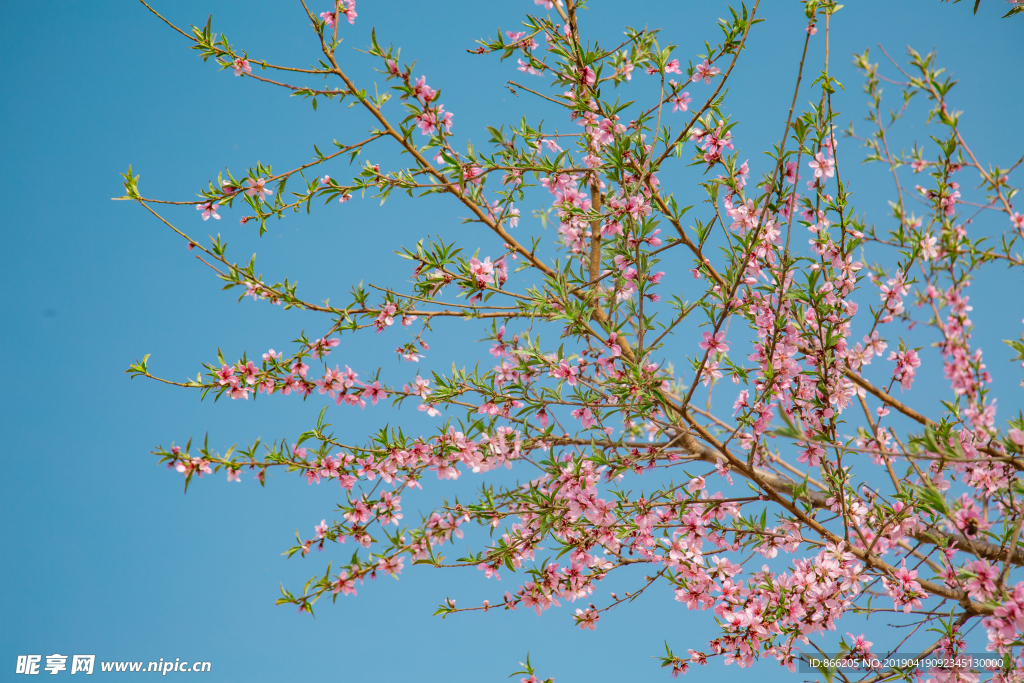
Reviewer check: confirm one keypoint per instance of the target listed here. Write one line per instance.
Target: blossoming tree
(793, 480)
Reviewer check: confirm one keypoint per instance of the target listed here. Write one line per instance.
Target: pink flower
(391, 565)
(527, 68)
(907, 363)
(587, 619)
(252, 289)
(928, 249)
(360, 513)
(586, 415)
(489, 570)
(612, 344)
(226, 375)
(982, 585)
(322, 347)
(791, 169)
(588, 77)
(344, 585)
(408, 353)
(348, 8)
(566, 372)
(1012, 611)
(741, 402)
(321, 528)
(552, 145)
(673, 67)
(374, 393)
(249, 372)
(713, 342)
(823, 167)
(472, 174)
(256, 188)
(705, 71)
(431, 120)
(194, 465)
(1016, 436)
(422, 91)
(904, 589)
(386, 317)
(242, 65)
(482, 271)
(1017, 219)
(208, 209)
(861, 646)
(711, 372)
(811, 455)
(680, 102)
(501, 270)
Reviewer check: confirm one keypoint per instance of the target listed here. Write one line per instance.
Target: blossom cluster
(701, 395)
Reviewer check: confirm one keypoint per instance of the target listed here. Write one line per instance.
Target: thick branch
(930, 534)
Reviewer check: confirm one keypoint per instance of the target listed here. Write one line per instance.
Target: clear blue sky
(101, 552)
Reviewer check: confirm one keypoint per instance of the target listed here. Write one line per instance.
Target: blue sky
(101, 552)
